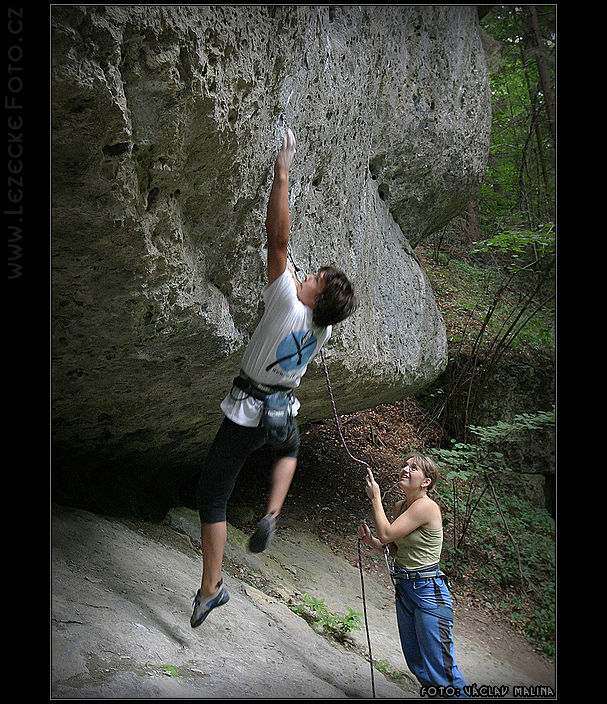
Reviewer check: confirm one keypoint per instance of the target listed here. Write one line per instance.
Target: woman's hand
(372, 487)
(364, 534)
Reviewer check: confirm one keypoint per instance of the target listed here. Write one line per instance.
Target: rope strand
(324, 363)
(362, 582)
(366, 464)
(360, 564)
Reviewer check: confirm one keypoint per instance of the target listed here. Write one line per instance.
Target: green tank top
(420, 548)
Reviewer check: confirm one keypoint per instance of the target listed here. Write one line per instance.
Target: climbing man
(260, 408)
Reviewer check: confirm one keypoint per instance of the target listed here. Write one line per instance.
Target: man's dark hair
(337, 301)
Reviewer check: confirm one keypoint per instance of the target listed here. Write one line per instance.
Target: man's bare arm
(278, 223)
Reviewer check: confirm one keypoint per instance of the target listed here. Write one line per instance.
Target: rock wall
(165, 124)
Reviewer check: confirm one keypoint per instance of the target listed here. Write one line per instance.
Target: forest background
(493, 271)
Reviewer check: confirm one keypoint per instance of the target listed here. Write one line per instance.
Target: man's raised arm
(278, 223)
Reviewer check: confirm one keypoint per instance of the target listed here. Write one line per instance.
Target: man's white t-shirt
(279, 351)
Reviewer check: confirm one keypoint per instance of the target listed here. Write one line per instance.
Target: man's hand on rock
(286, 153)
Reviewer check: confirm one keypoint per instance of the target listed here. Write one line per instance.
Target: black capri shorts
(228, 452)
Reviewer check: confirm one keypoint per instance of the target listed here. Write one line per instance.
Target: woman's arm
(419, 513)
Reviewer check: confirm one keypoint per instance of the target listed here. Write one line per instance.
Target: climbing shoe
(264, 531)
(203, 605)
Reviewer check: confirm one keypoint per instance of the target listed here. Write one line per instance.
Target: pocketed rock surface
(166, 120)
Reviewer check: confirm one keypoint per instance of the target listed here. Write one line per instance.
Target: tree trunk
(542, 66)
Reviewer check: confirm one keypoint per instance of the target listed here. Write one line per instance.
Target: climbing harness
(276, 415)
(257, 390)
(425, 573)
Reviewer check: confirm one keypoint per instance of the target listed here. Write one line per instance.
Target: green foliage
(508, 432)
(520, 244)
(386, 670)
(171, 669)
(465, 461)
(501, 296)
(519, 180)
(512, 541)
(478, 464)
(315, 611)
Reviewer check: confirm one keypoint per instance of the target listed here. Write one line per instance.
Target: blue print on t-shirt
(295, 350)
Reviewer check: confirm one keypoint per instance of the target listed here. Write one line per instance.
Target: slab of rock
(121, 603)
(121, 599)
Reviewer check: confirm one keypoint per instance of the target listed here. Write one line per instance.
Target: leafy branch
(530, 254)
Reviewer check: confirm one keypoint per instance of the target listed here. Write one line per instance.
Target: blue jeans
(425, 617)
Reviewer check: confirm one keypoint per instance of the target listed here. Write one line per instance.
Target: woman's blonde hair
(427, 466)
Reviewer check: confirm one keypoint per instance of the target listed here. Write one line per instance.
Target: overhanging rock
(165, 124)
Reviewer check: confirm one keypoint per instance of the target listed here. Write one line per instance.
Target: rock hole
(375, 166)
(116, 149)
(152, 197)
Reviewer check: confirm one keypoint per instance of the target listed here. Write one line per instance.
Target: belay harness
(402, 573)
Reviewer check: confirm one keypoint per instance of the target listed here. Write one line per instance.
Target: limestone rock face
(165, 124)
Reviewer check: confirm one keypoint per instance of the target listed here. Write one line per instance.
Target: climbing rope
(355, 459)
(360, 564)
(362, 582)
(324, 363)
